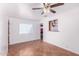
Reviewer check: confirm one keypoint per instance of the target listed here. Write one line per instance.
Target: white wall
(3, 30)
(68, 37)
(16, 37)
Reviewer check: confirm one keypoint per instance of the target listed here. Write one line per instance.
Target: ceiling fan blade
(52, 11)
(56, 5)
(36, 8)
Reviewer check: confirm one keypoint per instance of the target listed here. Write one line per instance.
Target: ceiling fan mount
(47, 7)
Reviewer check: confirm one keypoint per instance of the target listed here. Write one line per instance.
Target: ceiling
(24, 10)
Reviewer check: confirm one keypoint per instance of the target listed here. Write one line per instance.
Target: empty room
(39, 29)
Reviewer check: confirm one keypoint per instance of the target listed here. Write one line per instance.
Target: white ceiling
(24, 10)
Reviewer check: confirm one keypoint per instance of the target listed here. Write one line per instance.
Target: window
(25, 28)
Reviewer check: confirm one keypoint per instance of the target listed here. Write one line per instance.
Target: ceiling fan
(47, 7)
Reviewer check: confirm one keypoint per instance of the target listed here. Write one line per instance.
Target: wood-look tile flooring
(37, 48)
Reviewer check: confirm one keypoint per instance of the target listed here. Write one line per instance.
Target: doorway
(41, 31)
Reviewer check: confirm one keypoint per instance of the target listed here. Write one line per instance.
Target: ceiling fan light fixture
(46, 10)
